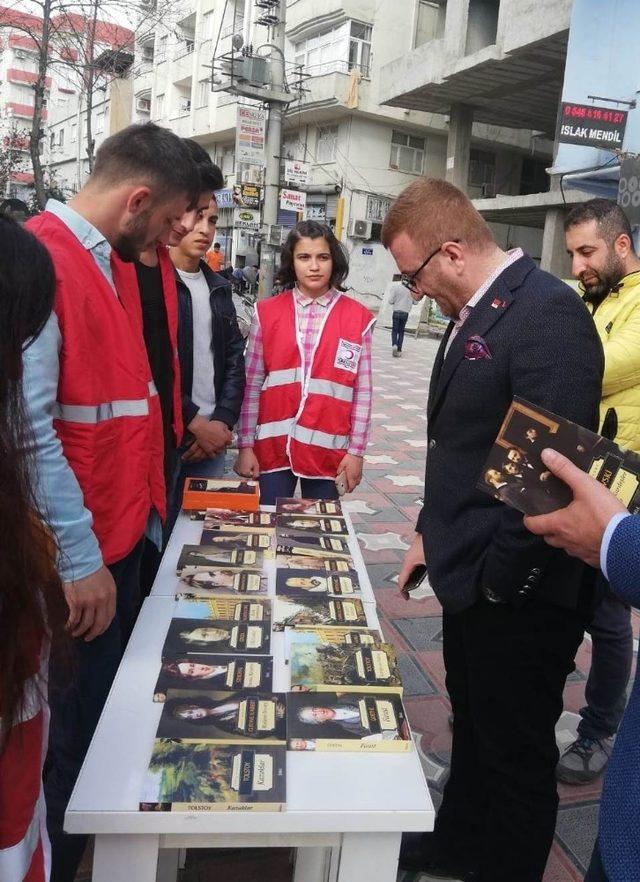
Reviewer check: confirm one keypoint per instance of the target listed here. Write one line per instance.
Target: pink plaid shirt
(310, 314)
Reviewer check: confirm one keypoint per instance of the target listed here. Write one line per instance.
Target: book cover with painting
(333, 634)
(327, 667)
(223, 716)
(195, 582)
(289, 612)
(347, 721)
(321, 525)
(295, 506)
(217, 673)
(303, 582)
(220, 517)
(223, 608)
(210, 556)
(189, 777)
(291, 543)
(301, 561)
(515, 474)
(218, 636)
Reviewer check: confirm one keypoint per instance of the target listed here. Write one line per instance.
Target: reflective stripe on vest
(273, 430)
(282, 378)
(318, 438)
(333, 390)
(16, 859)
(100, 413)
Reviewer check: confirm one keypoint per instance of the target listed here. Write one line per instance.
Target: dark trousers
(500, 802)
(77, 695)
(611, 660)
(398, 322)
(596, 871)
(283, 484)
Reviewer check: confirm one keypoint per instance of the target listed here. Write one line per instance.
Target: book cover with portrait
(289, 612)
(215, 673)
(208, 556)
(220, 517)
(196, 777)
(347, 721)
(293, 543)
(303, 582)
(196, 582)
(515, 474)
(327, 667)
(223, 608)
(321, 525)
(299, 560)
(219, 636)
(295, 506)
(192, 714)
(258, 538)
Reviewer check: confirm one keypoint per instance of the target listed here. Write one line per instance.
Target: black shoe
(418, 853)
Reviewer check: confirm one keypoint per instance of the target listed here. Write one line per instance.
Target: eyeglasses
(409, 279)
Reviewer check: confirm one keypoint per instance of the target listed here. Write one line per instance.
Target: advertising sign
(296, 173)
(293, 200)
(224, 198)
(250, 134)
(246, 196)
(591, 125)
(246, 219)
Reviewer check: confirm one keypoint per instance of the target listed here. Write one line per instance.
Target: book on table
(515, 474)
(292, 543)
(347, 721)
(217, 673)
(259, 538)
(233, 609)
(208, 556)
(320, 525)
(219, 636)
(332, 634)
(327, 667)
(196, 582)
(198, 776)
(299, 560)
(194, 714)
(214, 517)
(295, 506)
(304, 582)
(203, 493)
(293, 611)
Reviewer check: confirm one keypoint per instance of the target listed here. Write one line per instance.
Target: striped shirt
(310, 314)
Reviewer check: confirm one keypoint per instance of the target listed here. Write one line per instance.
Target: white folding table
(345, 812)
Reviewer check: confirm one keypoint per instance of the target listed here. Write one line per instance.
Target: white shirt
(400, 298)
(203, 393)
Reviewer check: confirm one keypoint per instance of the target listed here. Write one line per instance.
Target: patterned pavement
(384, 511)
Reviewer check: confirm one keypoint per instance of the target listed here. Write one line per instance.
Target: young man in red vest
(97, 426)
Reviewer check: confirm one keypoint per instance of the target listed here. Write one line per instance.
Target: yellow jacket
(618, 322)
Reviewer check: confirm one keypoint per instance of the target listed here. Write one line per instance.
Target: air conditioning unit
(360, 229)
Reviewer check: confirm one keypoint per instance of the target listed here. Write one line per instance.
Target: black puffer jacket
(227, 345)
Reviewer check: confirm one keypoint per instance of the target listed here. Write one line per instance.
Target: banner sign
(246, 219)
(292, 200)
(591, 125)
(296, 173)
(246, 196)
(250, 134)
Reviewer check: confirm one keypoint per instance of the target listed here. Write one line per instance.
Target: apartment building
(500, 63)
(360, 151)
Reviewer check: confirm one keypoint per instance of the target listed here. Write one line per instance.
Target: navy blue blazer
(545, 348)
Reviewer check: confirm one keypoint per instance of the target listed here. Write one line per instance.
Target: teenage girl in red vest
(307, 405)
(32, 606)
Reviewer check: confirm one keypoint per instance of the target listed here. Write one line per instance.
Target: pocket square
(475, 348)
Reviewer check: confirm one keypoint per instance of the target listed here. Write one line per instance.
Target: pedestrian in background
(215, 258)
(401, 301)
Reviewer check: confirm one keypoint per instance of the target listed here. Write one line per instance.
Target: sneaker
(584, 760)
(394, 351)
(399, 353)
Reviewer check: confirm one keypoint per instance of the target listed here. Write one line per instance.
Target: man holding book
(600, 245)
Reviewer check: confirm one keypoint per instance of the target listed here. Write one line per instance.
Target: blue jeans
(398, 322)
(596, 871)
(78, 689)
(283, 484)
(208, 468)
(611, 659)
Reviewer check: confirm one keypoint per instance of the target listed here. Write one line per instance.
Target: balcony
(328, 93)
(143, 79)
(182, 68)
(14, 75)
(23, 111)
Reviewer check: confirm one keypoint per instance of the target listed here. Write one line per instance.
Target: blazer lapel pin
(498, 304)
(476, 348)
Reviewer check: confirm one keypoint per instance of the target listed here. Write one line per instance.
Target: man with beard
(97, 427)
(599, 242)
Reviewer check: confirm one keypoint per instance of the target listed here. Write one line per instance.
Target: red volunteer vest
(108, 412)
(306, 426)
(128, 273)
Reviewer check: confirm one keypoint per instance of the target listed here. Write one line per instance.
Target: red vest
(128, 273)
(108, 413)
(306, 426)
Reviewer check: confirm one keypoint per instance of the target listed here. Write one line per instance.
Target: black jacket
(227, 346)
(545, 348)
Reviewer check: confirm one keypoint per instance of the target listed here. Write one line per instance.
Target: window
(74, 132)
(61, 138)
(430, 21)
(228, 162)
(207, 26)
(147, 54)
(204, 90)
(52, 140)
(407, 153)
(340, 49)
(360, 47)
(482, 171)
(159, 106)
(327, 145)
(184, 105)
(162, 48)
(99, 122)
